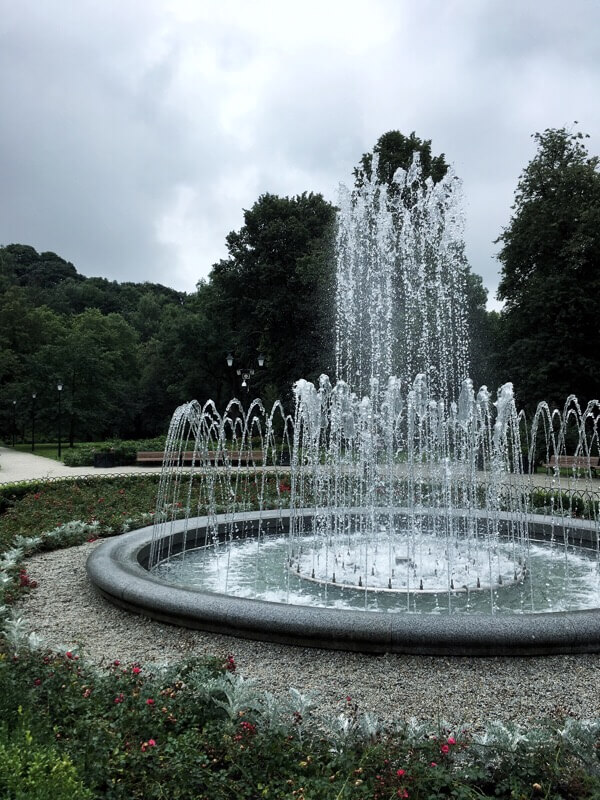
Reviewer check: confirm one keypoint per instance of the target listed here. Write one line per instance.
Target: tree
(21, 265)
(99, 360)
(550, 280)
(484, 329)
(394, 151)
(275, 291)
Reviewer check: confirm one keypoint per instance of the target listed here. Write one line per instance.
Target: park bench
(574, 462)
(156, 457)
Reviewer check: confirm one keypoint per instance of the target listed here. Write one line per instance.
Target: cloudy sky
(134, 133)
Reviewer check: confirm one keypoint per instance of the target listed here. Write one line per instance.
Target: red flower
(116, 662)
(136, 670)
(230, 663)
(119, 698)
(445, 749)
(400, 773)
(149, 702)
(37, 682)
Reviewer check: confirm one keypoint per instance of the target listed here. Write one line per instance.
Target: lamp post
(59, 386)
(245, 373)
(14, 421)
(33, 396)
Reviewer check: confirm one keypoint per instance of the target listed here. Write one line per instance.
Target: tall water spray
(406, 488)
(401, 303)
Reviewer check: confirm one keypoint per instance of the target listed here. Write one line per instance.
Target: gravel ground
(65, 609)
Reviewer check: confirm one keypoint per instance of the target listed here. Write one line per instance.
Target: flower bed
(197, 729)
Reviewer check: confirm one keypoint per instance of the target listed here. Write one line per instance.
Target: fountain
(409, 518)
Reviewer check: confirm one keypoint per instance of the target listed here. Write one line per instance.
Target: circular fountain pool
(251, 589)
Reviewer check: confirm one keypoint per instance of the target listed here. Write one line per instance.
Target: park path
(17, 466)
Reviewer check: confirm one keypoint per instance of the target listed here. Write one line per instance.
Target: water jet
(409, 519)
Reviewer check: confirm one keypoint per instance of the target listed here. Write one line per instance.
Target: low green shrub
(552, 501)
(121, 453)
(34, 770)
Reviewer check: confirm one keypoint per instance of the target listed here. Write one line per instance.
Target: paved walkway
(17, 466)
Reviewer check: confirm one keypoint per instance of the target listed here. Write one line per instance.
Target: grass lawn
(46, 449)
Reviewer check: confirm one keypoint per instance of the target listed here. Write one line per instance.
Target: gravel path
(65, 609)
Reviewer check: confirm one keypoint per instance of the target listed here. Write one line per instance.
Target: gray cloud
(133, 135)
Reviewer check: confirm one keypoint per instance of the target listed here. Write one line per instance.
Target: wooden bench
(573, 462)
(156, 457)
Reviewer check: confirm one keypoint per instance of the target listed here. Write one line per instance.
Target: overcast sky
(134, 133)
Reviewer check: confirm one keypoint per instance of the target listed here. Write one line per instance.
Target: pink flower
(433, 764)
(69, 654)
(451, 740)
(116, 662)
(400, 773)
(136, 670)
(445, 749)
(119, 698)
(151, 743)
(149, 702)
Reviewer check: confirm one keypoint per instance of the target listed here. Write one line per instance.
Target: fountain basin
(118, 569)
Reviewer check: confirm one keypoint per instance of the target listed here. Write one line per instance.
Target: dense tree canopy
(550, 282)
(127, 354)
(395, 151)
(90, 334)
(274, 292)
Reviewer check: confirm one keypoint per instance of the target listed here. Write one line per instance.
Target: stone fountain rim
(116, 571)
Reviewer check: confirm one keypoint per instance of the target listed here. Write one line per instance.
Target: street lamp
(59, 386)
(33, 396)
(14, 421)
(245, 373)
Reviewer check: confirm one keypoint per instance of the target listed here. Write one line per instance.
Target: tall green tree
(99, 360)
(275, 291)
(550, 281)
(395, 151)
